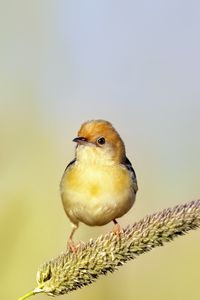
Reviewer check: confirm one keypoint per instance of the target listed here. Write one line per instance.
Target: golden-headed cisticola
(99, 185)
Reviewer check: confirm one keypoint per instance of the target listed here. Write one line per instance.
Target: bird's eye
(101, 140)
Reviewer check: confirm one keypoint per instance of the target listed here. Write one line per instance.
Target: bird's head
(98, 140)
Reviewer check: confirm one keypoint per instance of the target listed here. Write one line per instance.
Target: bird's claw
(117, 229)
(71, 246)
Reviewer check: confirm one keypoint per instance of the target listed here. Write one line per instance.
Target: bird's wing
(70, 164)
(129, 167)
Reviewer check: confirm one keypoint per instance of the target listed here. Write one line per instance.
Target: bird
(99, 185)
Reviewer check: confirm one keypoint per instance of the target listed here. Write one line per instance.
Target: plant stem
(31, 293)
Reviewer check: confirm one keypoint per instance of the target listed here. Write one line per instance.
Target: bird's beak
(80, 140)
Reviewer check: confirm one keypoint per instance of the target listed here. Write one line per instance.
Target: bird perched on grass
(99, 185)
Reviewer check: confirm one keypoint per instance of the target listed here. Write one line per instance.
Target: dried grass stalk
(68, 272)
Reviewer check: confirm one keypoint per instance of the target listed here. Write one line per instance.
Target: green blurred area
(49, 87)
(34, 228)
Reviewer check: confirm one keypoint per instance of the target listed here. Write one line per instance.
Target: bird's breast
(95, 180)
(97, 194)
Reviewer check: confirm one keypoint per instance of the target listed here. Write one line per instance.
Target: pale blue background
(134, 63)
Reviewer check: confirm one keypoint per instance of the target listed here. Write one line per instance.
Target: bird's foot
(71, 246)
(117, 229)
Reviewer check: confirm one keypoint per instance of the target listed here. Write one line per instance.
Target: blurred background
(134, 63)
